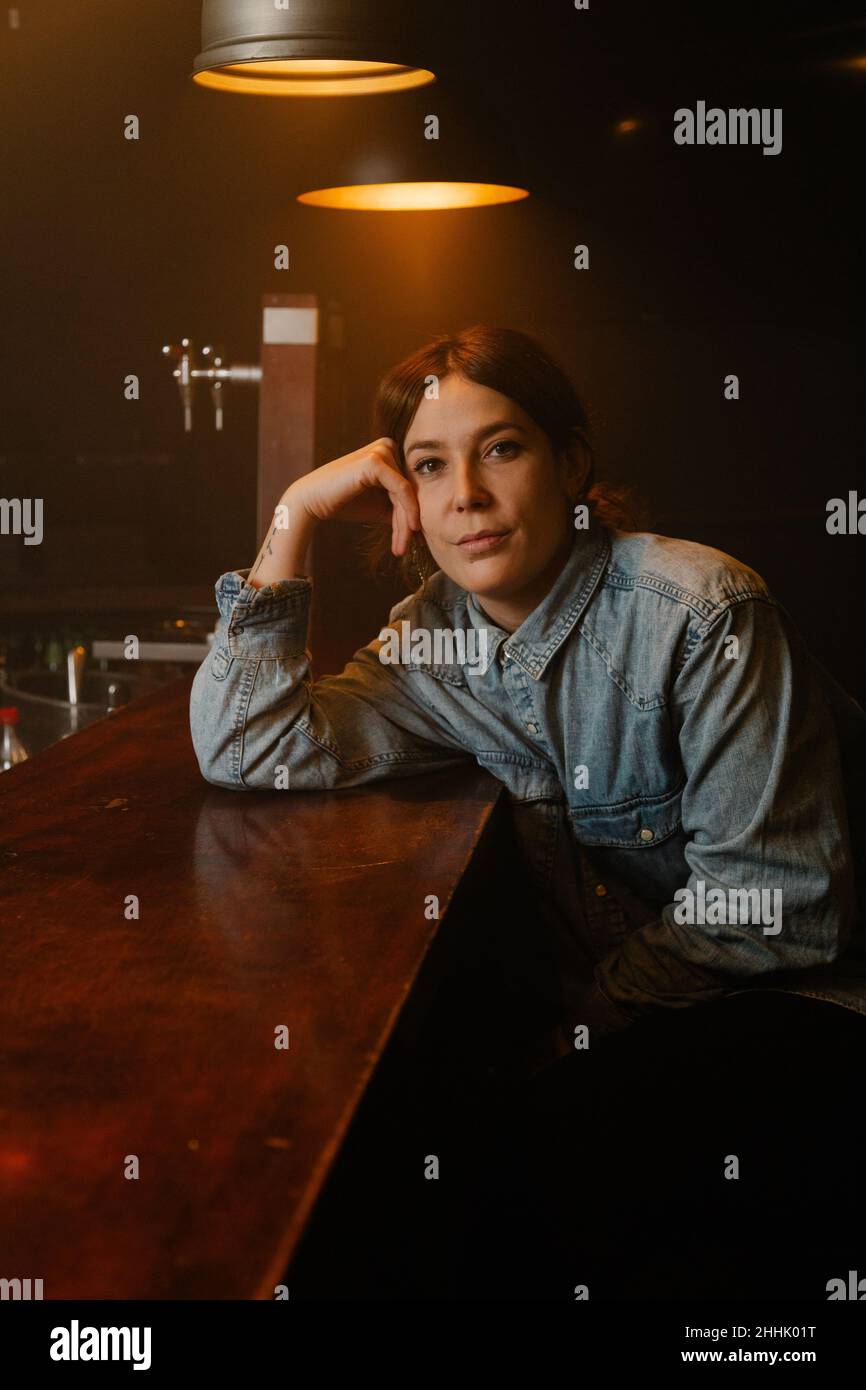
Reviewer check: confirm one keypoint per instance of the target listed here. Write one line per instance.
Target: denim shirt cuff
(270, 622)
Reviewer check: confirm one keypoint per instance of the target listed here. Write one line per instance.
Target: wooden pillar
(287, 403)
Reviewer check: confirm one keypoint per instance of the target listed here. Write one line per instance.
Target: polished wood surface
(155, 1037)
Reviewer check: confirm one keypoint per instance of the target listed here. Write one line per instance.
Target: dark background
(704, 261)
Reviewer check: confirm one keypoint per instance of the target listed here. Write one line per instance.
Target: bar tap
(186, 373)
(181, 375)
(216, 386)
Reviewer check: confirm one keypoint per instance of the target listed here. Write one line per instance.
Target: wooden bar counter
(156, 934)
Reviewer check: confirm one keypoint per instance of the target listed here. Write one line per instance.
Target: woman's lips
(484, 543)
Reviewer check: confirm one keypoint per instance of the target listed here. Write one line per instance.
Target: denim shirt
(659, 726)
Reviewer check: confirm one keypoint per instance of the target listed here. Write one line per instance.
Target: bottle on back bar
(12, 750)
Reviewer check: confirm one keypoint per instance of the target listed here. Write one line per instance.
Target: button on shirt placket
(605, 917)
(517, 683)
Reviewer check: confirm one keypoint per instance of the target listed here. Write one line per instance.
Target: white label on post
(291, 326)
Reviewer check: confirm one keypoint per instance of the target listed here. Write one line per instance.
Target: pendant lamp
(438, 152)
(308, 48)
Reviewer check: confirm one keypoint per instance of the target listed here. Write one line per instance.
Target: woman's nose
(468, 489)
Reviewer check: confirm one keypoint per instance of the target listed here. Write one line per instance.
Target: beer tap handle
(214, 358)
(182, 354)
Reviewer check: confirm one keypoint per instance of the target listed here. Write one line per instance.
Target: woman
(676, 761)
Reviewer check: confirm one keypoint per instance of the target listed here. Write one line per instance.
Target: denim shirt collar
(543, 631)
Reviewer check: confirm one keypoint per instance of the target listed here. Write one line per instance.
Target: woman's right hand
(366, 485)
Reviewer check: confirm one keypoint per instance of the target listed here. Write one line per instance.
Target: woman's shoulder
(698, 574)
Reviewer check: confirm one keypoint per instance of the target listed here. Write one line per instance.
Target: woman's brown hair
(516, 365)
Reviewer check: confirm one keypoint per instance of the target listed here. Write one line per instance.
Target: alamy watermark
(77, 1343)
(20, 1289)
(736, 126)
(743, 906)
(846, 516)
(438, 646)
(22, 516)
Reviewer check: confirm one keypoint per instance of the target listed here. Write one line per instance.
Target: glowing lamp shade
(327, 77)
(412, 197)
(452, 149)
(307, 48)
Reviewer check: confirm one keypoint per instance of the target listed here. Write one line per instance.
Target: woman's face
(480, 464)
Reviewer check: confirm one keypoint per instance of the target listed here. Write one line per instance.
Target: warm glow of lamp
(412, 197)
(319, 77)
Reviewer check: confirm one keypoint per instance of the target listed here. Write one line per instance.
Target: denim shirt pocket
(639, 842)
(639, 823)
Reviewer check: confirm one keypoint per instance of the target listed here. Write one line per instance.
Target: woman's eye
(428, 466)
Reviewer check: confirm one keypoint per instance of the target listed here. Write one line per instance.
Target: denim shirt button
(533, 728)
(647, 834)
(236, 630)
(600, 890)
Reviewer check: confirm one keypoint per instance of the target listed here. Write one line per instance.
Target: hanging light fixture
(307, 48)
(441, 153)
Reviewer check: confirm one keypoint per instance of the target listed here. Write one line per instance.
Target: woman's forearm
(284, 549)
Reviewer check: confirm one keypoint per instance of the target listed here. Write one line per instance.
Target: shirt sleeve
(763, 808)
(258, 720)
